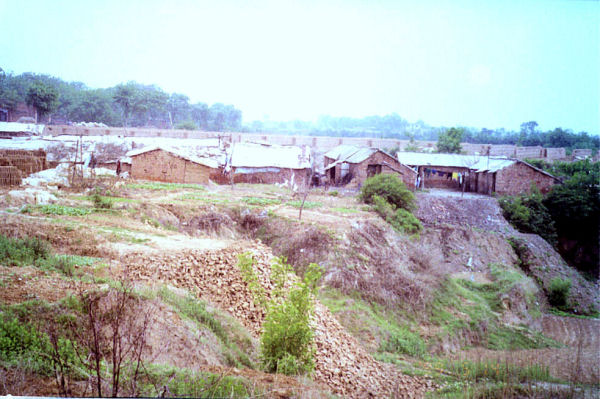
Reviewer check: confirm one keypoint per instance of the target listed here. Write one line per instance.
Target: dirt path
(578, 362)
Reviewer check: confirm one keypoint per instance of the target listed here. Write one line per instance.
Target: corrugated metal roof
(253, 155)
(492, 164)
(477, 163)
(448, 160)
(350, 153)
(185, 154)
(14, 127)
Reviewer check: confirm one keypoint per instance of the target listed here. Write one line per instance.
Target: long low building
(270, 163)
(170, 165)
(481, 174)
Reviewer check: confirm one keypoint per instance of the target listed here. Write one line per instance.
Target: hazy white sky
(471, 63)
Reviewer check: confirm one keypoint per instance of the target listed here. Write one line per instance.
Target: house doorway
(373, 170)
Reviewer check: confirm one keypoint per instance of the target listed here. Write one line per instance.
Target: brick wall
(388, 164)
(517, 179)
(318, 143)
(554, 154)
(162, 166)
(529, 152)
(300, 177)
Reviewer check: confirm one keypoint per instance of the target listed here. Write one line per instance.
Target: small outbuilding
(270, 163)
(349, 163)
(170, 165)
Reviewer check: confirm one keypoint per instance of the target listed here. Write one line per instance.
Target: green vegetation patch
(307, 204)
(196, 310)
(187, 383)
(164, 186)
(492, 370)
(261, 201)
(25, 345)
(395, 337)
(470, 309)
(38, 253)
(54, 209)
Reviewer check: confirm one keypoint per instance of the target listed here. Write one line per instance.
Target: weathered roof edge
(211, 163)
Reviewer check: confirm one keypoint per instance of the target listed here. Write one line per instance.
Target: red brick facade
(518, 177)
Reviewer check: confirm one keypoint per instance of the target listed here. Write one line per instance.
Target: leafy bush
(528, 214)
(558, 292)
(20, 252)
(389, 187)
(402, 340)
(287, 337)
(334, 193)
(21, 343)
(100, 201)
(400, 219)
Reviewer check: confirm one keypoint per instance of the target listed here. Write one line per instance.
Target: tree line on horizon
(128, 104)
(133, 104)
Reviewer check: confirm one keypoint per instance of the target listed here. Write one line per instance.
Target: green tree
(449, 141)
(43, 98)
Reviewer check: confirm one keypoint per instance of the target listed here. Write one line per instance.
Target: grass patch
(164, 186)
(261, 201)
(186, 383)
(202, 198)
(469, 309)
(396, 338)
(54, 209)
(307, 204)
(467, 370)
(196, 310)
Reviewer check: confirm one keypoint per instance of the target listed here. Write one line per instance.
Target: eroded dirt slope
(341, 363)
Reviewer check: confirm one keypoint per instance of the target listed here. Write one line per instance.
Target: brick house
(269, 164)
(170, 165)
(480, 174)
(439, 170)
(509, 177)
(347, 163)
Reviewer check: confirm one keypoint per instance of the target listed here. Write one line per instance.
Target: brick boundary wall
(322, 143)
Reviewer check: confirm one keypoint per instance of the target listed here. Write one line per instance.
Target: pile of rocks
(340, 362)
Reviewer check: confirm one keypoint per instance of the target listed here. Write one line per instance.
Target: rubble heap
(340, 362)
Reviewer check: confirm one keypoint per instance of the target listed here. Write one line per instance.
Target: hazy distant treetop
(449, 141)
